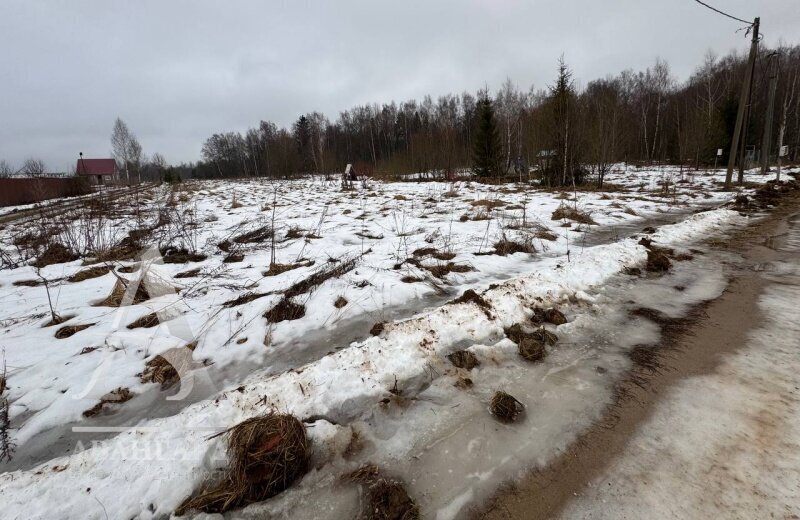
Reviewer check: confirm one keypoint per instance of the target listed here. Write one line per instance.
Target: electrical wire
(723, 12)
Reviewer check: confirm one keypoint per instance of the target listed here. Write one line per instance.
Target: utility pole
(743, 105)
(773, 84)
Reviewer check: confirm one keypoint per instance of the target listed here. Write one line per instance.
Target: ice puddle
(453, 454)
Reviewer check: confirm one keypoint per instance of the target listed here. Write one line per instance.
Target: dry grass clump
(443, 269)
(434, 253)
(531, 350)
(146, 322)
(566, 212)
(543, 233)
(657, 262)
(191, 273)
(166, 369)
(285, 310)
(276, 269)
(506, 247)
(464, 359)
(257, 235)
(55, 254)
(125, 249)
(410, 279)
(531, 345)
(552, 315)
(488, 204)
(335, 269)
(340, 302)
(118, 296)
(28, 283)
(267, 454)
(470, 296)
(70, 330)
(233, 258)
(244, 298)
(377, 329)
(88, 274)
(505, 407)
(385, 498)
(180, 255)
(116, 396)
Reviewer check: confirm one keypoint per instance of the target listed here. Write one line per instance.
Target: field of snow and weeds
(254, 291)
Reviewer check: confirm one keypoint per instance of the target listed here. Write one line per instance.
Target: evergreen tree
(302, 135)
(564, 167)
(486, 140)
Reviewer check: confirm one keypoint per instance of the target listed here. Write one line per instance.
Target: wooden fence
(14, 192)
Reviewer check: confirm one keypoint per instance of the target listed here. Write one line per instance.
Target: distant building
(99, 171)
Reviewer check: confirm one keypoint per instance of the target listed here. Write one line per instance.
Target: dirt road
(628, 465)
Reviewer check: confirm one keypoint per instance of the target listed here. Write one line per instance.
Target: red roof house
(98, 170)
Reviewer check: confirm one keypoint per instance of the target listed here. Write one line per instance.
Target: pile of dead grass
(334, 269)
(276, 269)
(119, 295)
(126, 249)
(442, 269)
(145, 322)
(88, 274)
(551, 315)
(180, 255)
(507, 246)
(116, 396)
(464, 359)
(29, 283)
(285, 310)
(505, 407)
(244, 298)
(267, 454)
(531, 345)
(385, 498)
(568, 213)
(70, 330)
(55, 253)
(233, 258)
(191, 273)
(434, 253)
(166, 369)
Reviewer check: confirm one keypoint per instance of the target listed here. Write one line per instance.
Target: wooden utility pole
(743, 103)
(767, 144)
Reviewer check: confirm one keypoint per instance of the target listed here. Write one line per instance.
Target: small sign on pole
(784, 151)
(719, 152)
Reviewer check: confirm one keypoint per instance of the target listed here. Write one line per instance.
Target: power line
(723, 13)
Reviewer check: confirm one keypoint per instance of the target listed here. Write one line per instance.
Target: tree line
(568, 131)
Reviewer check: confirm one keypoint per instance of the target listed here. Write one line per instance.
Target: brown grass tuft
(69, 330)
(55, 254)
(566, 212)
(464, 359)
(505, 407)
(88, 274)
(267, 454)
(385, 498)
(285, 310)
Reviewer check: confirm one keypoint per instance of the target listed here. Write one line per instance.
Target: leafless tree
(5, 169)
(126, 149)
(34, 167)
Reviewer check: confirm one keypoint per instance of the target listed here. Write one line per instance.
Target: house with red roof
(99, 171)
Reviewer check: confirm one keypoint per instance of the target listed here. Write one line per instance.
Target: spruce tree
(486, 140)
(302, 136)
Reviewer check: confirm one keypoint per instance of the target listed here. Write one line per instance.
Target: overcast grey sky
(179, 70)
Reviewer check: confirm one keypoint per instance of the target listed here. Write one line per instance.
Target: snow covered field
(388, 253)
